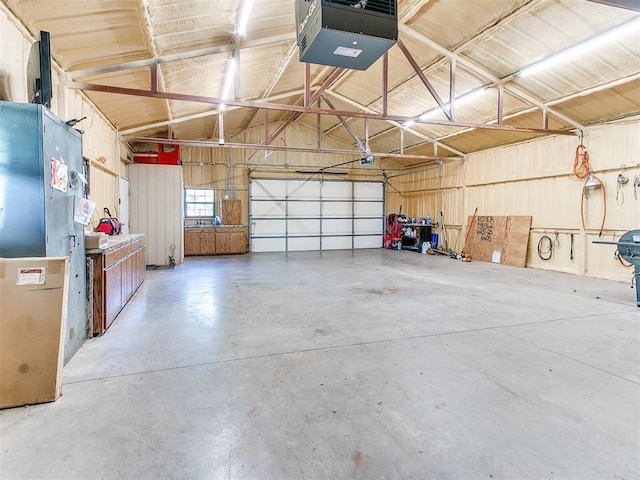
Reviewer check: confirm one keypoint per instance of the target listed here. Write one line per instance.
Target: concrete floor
(347, 365)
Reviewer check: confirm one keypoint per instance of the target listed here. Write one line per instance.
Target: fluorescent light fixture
(408, 124)
(228, 81)
(587, 46)
(243, 18)
(461, 100)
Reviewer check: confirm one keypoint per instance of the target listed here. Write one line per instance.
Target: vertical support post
(401, 140)
(366, 135)
(500, 104)
(221, 127)
(236, 74)
(154, 77)
(545, 118)
(318, 126)
(385, 82)
(266, 125)
(452, 88)
(307, 84)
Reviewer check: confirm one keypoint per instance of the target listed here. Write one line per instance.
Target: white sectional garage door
(297, 215)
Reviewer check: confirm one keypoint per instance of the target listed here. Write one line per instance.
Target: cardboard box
(95, 240)
(33, 311)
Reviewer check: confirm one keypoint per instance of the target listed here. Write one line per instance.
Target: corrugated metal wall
(533, 178)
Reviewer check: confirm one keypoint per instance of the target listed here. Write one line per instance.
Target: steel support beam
(277, 148)
(302, 109)
(424, 78)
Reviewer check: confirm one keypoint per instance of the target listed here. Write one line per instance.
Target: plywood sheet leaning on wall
(499, 239)
(231, 212)
(514, 248)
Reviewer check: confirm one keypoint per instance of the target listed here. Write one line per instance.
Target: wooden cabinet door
(222, 243)
(208, 243)
(192, 243)
(237, 242)
(113, 293)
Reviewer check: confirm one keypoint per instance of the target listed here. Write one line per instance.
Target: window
(199, 202)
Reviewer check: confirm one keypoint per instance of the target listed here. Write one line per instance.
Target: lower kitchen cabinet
(118, 271)
(215, 240)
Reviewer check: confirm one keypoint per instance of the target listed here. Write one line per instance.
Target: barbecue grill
(629, 250)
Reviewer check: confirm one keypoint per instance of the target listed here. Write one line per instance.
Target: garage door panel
(305, 190)
(304, 209)
(337, 243)
(336, 209)
(367, 225)
(337, 226)
(262, 245)
(373, 241)
(303, 244)
(270, 228)
(303, 227)
(336, 191)
(361, 209)
(301, 215)
(368, 191)
(268, 189)
(268, 208)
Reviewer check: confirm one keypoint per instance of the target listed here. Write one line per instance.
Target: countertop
(117, 241)
(187, 227)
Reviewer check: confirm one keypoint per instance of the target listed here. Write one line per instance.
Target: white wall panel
(156, 208)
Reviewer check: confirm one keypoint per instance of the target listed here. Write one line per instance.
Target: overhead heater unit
(345, 33)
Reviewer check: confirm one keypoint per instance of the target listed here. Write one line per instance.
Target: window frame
(211, 203)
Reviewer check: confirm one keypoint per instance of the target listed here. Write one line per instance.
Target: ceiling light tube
(461, 100)
(583, 47)
(243, 18)
(228, 80)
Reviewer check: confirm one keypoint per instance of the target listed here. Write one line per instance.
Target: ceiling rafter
(397, 124)
(510, 87)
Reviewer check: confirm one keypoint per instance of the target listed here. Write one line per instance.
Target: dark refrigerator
(41, 169)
